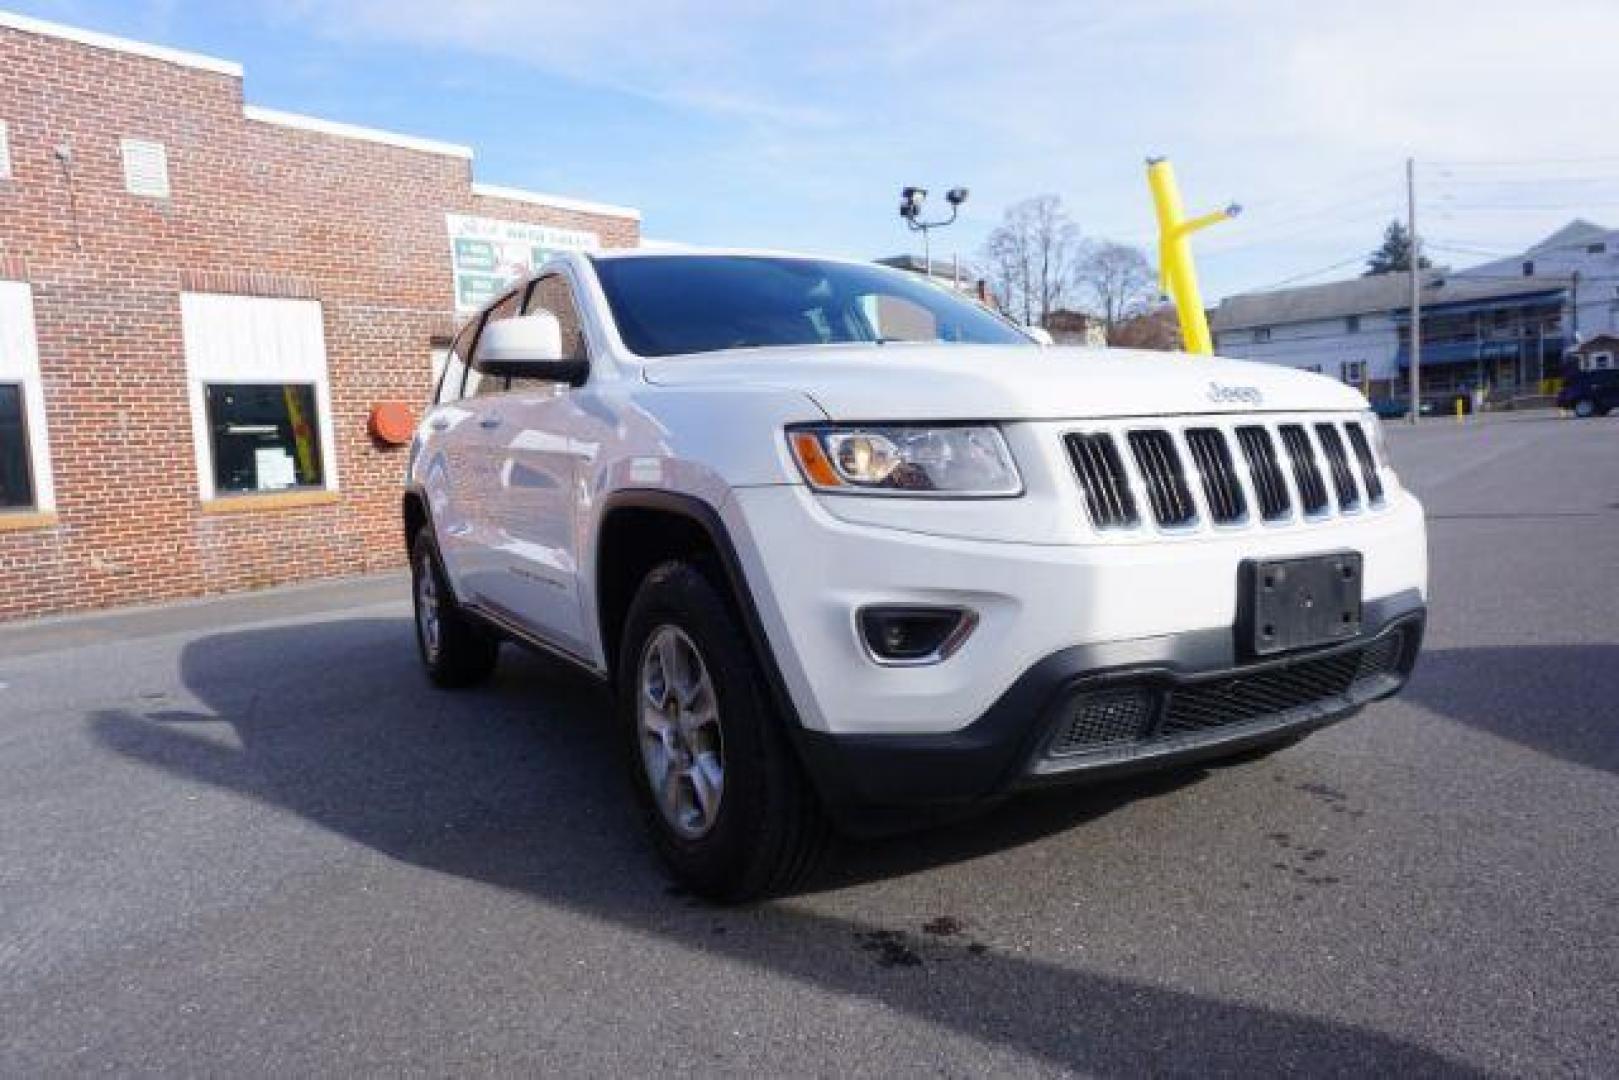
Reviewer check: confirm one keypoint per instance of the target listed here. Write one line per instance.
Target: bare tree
(1117, 281)
(1030, 258)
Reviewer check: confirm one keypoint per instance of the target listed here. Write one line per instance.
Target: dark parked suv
(1590, 393)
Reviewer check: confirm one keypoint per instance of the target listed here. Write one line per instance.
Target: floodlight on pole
(911, 199)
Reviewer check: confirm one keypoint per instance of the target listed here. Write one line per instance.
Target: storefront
(213, 317)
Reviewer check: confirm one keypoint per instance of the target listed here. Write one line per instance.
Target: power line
(1518, 163)
(1467, 249)
(1512, 181)
(1312, 273)
(1266, 232)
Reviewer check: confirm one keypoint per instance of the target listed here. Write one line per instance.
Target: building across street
(1501, 329)
(216, 320)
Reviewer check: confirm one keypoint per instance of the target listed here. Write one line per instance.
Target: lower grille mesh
(1235, 701)
(1141, 716)
(1099, 720)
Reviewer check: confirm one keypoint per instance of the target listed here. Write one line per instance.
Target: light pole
(910, 208)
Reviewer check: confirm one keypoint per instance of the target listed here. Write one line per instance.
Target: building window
(25, 461)
(146, 168)
(5, 151)
(1261, 335)
(1601, 362)
(1529, 268)
(16, 477)
(263, 437)
(260, 400)
(1353, 372)
(1351, 324)
(1595, 249)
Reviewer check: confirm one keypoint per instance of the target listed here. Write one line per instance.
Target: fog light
(914, 635)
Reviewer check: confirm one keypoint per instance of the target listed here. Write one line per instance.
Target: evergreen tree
(1394, 253)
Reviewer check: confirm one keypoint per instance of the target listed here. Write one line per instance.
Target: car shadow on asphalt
(518, 785)
(1504, 691)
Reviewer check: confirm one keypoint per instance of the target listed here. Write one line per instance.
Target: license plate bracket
(1298, 603)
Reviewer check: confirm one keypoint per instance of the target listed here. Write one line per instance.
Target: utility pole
(1574, 308)
(1415, 267)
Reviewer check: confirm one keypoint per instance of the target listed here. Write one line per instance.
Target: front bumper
(810, 570)
(1200, 703)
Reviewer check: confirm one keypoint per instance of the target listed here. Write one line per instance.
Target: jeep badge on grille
(1224, 394)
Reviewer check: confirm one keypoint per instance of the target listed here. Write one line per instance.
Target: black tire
(463, 654)
(1585, 408)
(769, 833)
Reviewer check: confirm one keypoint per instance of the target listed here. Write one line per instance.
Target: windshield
(670, 304)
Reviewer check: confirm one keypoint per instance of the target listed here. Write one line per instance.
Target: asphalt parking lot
(245, 837)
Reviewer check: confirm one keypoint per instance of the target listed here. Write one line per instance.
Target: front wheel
(1585, 408)
(725, 801)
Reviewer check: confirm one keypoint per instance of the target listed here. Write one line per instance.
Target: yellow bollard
(1459, 418)
(1176, 269)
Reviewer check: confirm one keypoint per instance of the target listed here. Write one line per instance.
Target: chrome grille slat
(1368, 462)
(1102, 478)
(1160, 466)
(1260, 451)
(1343, 480)
(1306, 471)
(1220, 484)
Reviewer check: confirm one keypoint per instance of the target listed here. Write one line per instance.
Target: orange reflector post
(812, 459)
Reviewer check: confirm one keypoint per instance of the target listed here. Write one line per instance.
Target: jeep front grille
(1306, 471)
(1160, 465)
(1265, 472)
(1220, 485)
(1368, 462)
(1343, 481)
(1176, 475)
(1102, 478)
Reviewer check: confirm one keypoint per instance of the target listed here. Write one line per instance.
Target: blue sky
(794, 125)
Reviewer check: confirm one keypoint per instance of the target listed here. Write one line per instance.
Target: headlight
(966, 461)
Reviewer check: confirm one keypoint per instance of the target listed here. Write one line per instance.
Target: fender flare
(705, 516)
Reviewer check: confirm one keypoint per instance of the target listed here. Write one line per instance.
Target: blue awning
(1538, 298)
(1487, 352)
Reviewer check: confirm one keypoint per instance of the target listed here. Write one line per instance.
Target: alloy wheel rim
(682, 748)
(427, 611)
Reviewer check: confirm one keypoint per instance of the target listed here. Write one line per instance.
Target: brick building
(201, 304)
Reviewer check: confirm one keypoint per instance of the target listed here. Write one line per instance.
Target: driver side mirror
(528, 347)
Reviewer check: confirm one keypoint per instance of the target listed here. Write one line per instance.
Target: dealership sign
(487, 254)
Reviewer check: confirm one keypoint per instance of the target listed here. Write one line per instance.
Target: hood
(988, 382)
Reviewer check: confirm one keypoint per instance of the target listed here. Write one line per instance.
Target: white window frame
(5, 151)
(260, 341)
(19, 363)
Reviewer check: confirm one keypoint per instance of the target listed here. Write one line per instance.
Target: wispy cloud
(1288, 106)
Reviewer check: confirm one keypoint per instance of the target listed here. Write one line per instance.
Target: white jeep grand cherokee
(849, 546)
